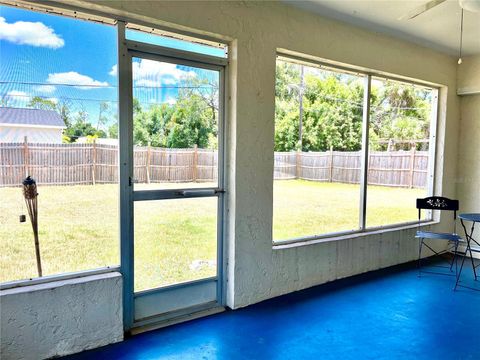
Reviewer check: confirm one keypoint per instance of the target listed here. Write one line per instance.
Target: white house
(39, 126)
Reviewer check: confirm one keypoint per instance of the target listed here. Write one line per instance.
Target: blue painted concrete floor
(386, 314)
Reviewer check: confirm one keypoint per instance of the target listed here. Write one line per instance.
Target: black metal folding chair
(438, 203)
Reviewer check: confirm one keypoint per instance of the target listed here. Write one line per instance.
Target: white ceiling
(438, 28)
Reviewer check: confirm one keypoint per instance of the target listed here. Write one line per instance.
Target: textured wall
(468, 181)
(468, 72)
(255, 30)
(468, 189)
(61, 318)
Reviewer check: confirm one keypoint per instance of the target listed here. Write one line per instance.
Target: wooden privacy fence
(68, 164)
(387, 168)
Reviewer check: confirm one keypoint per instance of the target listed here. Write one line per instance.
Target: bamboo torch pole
(30, 194)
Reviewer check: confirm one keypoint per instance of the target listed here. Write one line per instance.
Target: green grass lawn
(305, 208)
(175, 240)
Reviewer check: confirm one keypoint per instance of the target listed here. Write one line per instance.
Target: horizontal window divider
(58, 277)
(165, 194)
(186, 58)
(159, 30)
(337, 236)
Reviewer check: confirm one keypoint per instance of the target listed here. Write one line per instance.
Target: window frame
(368, 74)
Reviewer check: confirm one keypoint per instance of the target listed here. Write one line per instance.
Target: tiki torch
(30, 194)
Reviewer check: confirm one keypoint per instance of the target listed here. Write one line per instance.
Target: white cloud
(171, 101)
(114, 70)
(15, 97)
(151, 73)
(46, 89)
(74, 78)
(30, 33)
(17, 94)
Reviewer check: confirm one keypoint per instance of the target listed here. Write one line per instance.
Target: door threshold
(184, 315)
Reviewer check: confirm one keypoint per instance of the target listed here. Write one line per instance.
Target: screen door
(175, 183)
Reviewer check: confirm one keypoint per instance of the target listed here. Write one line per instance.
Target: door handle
(198, 193)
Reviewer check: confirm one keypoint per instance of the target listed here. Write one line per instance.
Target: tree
(186, 123)
(332, 111)
(190, 124)
(102, 114)
(60, 107)
(202, 93)
(286, 106)
(38, 102)
(332, 115)
(150, 127)
(113, 131)
(286, 125)
(64, 110)
(399, 112)
(287, 78)
(81, 127)
(191, 120)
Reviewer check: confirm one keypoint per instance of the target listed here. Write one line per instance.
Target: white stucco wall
(468, 180)
(468, 73)
(34, 134)
(60, 318)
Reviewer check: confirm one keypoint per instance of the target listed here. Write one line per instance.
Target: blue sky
(74, 61)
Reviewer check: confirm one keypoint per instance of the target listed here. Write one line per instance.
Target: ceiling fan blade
(421, 9)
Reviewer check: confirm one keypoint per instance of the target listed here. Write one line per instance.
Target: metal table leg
(468, 249)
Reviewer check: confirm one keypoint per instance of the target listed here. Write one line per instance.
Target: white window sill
(288, 244)
(58, 283)
(57, 278)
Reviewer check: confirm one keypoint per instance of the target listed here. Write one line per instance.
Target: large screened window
(318, 141)
(58, 124)
(321, 155)
(400, 144)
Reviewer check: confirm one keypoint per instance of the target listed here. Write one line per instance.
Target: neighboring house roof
(30, 117)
